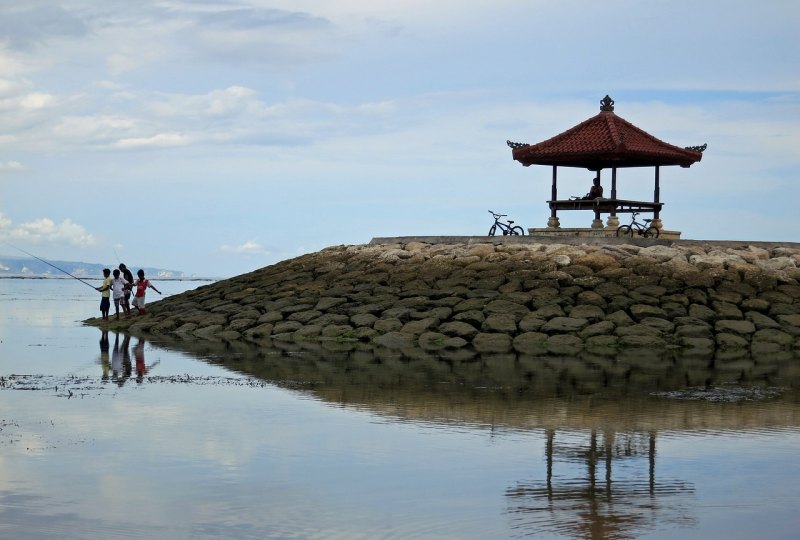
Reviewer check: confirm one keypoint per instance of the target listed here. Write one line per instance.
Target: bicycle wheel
(493, 230)
(625, 231)
(517, 231)
(651, 232)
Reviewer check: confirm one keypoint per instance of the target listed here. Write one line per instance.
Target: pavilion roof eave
(595, 163)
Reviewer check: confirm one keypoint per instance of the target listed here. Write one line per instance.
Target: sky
(216, 137)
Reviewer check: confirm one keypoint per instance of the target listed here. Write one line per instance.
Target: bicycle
(507, 228)
(641, 229)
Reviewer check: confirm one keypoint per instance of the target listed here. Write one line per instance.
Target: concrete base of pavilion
(588, 232)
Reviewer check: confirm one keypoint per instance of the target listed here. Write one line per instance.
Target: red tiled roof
(604, 141)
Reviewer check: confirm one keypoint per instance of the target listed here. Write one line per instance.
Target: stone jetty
(528, 295)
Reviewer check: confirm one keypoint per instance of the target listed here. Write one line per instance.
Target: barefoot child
(126, 300)
(105, 297)
(141, 287)
(118, 286)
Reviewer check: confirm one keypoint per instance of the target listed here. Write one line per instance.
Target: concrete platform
(586, 232)
(578, 240)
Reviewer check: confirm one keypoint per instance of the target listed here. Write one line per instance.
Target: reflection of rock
(626, 392)
(688, 295)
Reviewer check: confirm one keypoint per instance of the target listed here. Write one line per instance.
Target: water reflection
(104, 364)
(636, 390)
(601, 417)
(120, 365)
(141, 368)
(121, 360)
(358, 442)
(580, 505)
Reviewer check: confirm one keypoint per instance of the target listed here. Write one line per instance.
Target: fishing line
(51, 264)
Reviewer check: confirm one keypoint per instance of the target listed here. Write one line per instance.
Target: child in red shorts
(141, 287)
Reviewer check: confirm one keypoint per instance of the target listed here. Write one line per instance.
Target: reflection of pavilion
(581, 506)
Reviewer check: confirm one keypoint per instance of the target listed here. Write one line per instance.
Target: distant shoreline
(96, 278)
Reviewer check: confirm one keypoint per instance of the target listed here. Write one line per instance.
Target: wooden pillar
(597, 223)
(553, 221)
(657, 193)
(656, 222)
(614, 187)
(613, 220)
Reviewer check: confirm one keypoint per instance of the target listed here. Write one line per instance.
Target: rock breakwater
(532, 298)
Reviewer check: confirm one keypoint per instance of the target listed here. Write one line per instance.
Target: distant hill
(11, 266)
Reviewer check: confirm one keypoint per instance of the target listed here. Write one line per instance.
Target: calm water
(131, 439)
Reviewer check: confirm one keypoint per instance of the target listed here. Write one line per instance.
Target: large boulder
(492, 342)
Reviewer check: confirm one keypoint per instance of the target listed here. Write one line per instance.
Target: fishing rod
(54, 266)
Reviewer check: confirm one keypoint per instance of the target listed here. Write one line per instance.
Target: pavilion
(604, 141)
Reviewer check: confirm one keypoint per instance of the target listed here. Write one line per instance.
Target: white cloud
(9, 88)
(248, 249)
(11, 167)
(160, 140)
(45, 231)
(126, 60)
(141, 120)
(109, 85)
(217, 103)
(10, 63)
(37, 100)
(87, 131)
(16, 98)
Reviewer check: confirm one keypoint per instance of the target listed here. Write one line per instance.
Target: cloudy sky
(216, 137)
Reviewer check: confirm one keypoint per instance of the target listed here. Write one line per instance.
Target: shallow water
(194, 440)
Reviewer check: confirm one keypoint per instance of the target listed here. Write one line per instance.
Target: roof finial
(607, 104)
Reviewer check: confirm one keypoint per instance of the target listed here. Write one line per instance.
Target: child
(105, 290)
(118, 286)
(141, 287)
(128, 277)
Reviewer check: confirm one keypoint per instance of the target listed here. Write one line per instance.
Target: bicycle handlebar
(498, 215)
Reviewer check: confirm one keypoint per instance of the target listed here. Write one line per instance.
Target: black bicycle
(641, 229)
(508, 228)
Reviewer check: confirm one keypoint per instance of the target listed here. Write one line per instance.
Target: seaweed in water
(726, 394)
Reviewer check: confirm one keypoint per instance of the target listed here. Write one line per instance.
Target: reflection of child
(126, 355)
(105, 289)
(141, 368)
(116, 359)
(120, 361)
(104, 353)
(141, 287)
(138, 354)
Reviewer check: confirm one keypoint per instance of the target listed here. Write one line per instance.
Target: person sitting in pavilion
(596, 191)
